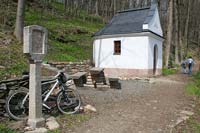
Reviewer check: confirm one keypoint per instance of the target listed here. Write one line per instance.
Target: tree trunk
(169, 33)
(199, 43)
(20, 20)
(97, 8)
(114, 6)
(65, 5)
(130, 3)
(138, 2)
(176, 33)
(186, 29)
(181, 46)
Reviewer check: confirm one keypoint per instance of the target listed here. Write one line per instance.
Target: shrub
(4, 129)
(193, 87)
(166, 71)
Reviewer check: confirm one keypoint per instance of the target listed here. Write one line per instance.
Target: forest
(153, 104)
(180, 19)
(180, 22)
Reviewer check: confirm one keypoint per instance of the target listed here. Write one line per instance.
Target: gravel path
(138, 107)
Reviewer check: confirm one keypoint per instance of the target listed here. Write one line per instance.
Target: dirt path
(138, 107)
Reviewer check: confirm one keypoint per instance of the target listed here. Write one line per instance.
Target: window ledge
(116, 54)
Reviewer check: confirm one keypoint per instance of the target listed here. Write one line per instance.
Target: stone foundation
(72, 67)
(116, 72)
(84, 66)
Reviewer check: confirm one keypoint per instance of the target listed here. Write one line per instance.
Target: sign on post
(35, 46)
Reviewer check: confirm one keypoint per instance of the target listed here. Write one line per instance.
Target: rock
(51, 119)
(2, 67)
(193, 105)
(152, 81)
(52, 124)
(17, 125)
(28, 129)
(187, 112)
(81, 109)
(38, 130)
(154, 108)
(7, 41)
(154, 101)
(178, 122)
(185, 117)
(89, 108)
(148, 104)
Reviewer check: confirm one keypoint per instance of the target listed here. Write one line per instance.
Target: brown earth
(139, 107)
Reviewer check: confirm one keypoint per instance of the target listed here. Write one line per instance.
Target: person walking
(190, 63)
(183, 66)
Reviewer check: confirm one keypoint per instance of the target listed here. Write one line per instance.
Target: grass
(68, 122)
(54, 131)
(166, 71)
(69, 37)
(193, 87)
(5, 129)
(11, 57)
(192, 125)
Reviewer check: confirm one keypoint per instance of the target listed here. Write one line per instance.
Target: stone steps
(90, 84)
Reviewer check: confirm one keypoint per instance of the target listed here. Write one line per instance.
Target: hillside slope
(70, 37)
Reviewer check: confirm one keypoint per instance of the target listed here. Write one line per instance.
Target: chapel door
(155, 59)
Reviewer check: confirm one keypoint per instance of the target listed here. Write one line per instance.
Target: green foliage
(194, 125)
(54, 131)
(4, 129)
(70, 121)
(11, 57)
(69, 39)
(193, 88)
(166, 71)
(197, 76)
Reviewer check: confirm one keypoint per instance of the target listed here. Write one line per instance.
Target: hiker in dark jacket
(183, 66)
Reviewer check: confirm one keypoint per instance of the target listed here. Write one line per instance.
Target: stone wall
(72, 67)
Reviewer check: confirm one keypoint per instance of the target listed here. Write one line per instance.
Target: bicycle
(68, 100)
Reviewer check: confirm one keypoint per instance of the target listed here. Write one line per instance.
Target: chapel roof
(129, 21)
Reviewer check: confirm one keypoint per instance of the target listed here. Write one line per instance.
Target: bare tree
(97, 8)
(186, 29)
(20, 20)
(176, 20)
(169, 33)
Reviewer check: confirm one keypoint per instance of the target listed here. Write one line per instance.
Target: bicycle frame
(66, 98)
(56, 83)
(49, 93)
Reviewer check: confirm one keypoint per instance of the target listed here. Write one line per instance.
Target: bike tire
(66, 107)
(13, 102)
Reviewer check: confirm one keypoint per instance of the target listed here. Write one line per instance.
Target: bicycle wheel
(17, 105)
(68, 101)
